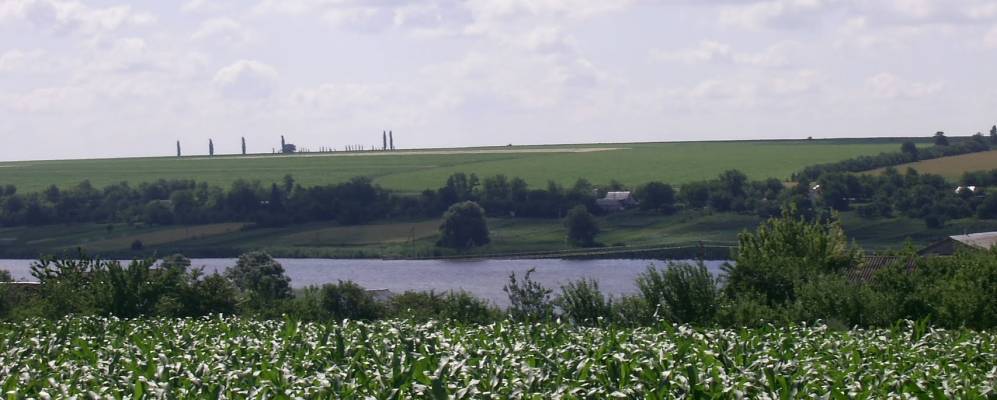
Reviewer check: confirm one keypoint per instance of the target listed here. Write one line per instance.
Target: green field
(407, 239)
(90, 357)
(413, 171)
(952, 167)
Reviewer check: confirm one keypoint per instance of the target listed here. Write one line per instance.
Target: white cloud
(246, 79)
(715, 52)
(223, 31)
(21, 61)
(72, 16)
(889, 86)
(990, 40)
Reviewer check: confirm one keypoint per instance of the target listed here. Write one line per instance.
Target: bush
(456, 306)
(785, 252)
(681, 293)
(347, 300)
(260, 278)
(581, 226)
(464, 226)
(528, 299)
(582, 302)
(656, 196)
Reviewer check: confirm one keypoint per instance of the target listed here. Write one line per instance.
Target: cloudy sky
(99, 78)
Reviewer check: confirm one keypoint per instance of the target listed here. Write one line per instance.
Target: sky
(108, 78)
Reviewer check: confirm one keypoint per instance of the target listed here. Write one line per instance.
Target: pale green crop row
(238, 358)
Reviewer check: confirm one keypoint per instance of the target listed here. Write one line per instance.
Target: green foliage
(681, 293)
(529, 300)
(260, 278)
(582, 227)
(582, 303)
(347, 300)
(940, 139)
(656, 196)
(398, 359)
(5, 276)
(457, 306)
(786, 252)
(464, 226)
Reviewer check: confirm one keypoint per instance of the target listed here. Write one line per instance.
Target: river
(483, 278)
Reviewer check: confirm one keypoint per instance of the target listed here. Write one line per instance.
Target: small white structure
(949, 245)
(616, 201)
(959, 189)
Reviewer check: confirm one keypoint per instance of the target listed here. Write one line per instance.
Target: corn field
(108, 358)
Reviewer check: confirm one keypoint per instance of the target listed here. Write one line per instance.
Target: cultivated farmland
(90, 357)
(414, 171)
(952, 167)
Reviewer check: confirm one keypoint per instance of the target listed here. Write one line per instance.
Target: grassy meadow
(403, 239)
(952, 167)
(414, 171)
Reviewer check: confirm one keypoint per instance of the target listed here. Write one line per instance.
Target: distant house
(616, 201)
(870, 265)
(951, 244)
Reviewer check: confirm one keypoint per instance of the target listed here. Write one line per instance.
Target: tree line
(909, 152)
(791, 270)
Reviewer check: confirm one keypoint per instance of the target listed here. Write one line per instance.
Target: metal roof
(983, 240)
(617, 195)
(870, 265)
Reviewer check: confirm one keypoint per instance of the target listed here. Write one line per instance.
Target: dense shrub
(464, 226)
(456, 306)
(347, 300)
(581, 227)
(260, 278)
(784, 253)
(529, 300)
(681, 293)
(582, 303)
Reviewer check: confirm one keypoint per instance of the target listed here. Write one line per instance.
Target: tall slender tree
(384, 139)
(282, 145)
(211, 147)
(243, 145)
(391, 138)
(993, 134)
(178, 148)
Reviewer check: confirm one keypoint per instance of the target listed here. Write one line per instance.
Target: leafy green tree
(909, 148)
(583, 303)
(681, 293)
(582, 227)
(5, 276)
(993, 134)
(988, 208)
(347, 300)
(464, 226)
(211, 147)
(656, 196)
(260, 277)
(940, 139)
(529, 300)
(784, 253)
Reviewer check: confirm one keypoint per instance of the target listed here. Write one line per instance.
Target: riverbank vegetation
(790, 270)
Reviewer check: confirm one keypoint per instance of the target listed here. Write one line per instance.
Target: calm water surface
(483, 278)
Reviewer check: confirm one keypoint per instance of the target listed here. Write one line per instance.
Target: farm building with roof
(951, 244)
(616, 201)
